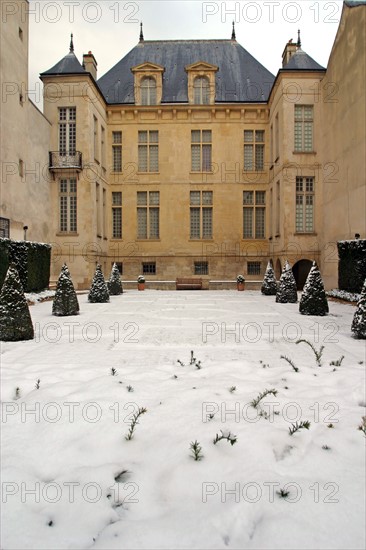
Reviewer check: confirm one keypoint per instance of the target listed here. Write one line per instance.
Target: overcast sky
(110, 29)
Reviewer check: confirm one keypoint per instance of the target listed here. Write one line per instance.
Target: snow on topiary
(98, 291)
(269, 284)
(287, 289)
(359, 319)
(115, 283)
(65, 301)
(15, 320)
(313, 299)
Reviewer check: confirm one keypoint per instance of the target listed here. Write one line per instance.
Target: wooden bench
(188, 284)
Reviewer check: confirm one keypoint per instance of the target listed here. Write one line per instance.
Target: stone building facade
(189, 158)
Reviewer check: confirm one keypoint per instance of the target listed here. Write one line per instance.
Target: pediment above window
(148, 67)
(201, 66)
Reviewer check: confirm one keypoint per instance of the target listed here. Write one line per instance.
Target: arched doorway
(278, 269)
(301, 270)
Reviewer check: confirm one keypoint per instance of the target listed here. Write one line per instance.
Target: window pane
(201, 268)
(196, 136)
(299, 187)
(117, 137)
(195, 223)
(207, 223)
(247, 197)
(195, 197)
(259, 136)
(308, 136)
(63, 213)
(142, 137)
(117, 198)
(117, 223)
(154, 223)
(196, 158)
(206, 197)
(142, 158)
(309, 214)
(298, 136)
(154, 197)
(298, 112)
(154, 136)
(254, 268)
(142, 223)
(260, 197)
(248, 136)
(206, 136)
(248, 223)
(248, 157)
(259, 157)
(308, 112)
(259, 222)
(154, 158)
(117, 159)
(142, 198)
(206, 158)
(309, 185)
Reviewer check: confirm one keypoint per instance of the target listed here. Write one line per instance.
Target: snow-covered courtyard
(72, 479)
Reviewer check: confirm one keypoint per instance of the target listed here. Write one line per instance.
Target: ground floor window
(201, 268)
(254, 268)
(149, 268)
(4, 228)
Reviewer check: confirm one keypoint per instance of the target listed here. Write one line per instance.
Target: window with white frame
(254, 214)
(201, 150)
(148, 214)
(201, 87)
(148, 90)
(117, 215)
(68, 205)
(253, 149)
(67, 130)
(304, 204)
(117, 151)
(201, 203)
(304, 128)
(148, 151)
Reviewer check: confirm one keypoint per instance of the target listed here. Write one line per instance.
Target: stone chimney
(288, 52)
(90, 64)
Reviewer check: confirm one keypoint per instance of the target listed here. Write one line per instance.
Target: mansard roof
(68, 65)
(240, 77)
(301, 61)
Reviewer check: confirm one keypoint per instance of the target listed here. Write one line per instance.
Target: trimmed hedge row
(32, 261)
(352, 265)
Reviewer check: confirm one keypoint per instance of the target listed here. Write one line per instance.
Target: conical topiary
(115, 284)
(269, 285)
(313, 299)
(15, 320)
(65, 301)
(287, 289)
(98, 291)
(359, 319)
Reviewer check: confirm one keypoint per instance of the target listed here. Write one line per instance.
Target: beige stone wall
(343, 139)
(24, 183)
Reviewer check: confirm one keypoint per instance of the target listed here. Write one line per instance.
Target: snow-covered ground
(71, 479)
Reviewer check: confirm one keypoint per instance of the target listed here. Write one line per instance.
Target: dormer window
(201, 87)
(148, 79)
(201, 83)
(148, 91)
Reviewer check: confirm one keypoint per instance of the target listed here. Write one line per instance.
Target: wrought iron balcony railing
(61, 160)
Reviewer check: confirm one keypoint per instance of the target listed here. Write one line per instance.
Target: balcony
(61, 160)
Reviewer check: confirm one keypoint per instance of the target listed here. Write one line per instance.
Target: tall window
(277, 137)
(253, 149)
(254, 214)
(201, 214)
(117, 151)
(4, 227)
(304, 205)
(148, 91)
(97, 207)
(102, 145)
(303, 128)
(67, 130)
(278, 207)
(201, 150)
(148, 204)
(68, 205)
(201, 88)
(117, 215)
(148, 151)
(96, 152)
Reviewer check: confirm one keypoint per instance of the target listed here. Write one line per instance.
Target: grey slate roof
(240, 78)
(68, 65)
(353, 3)
(303, 62)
